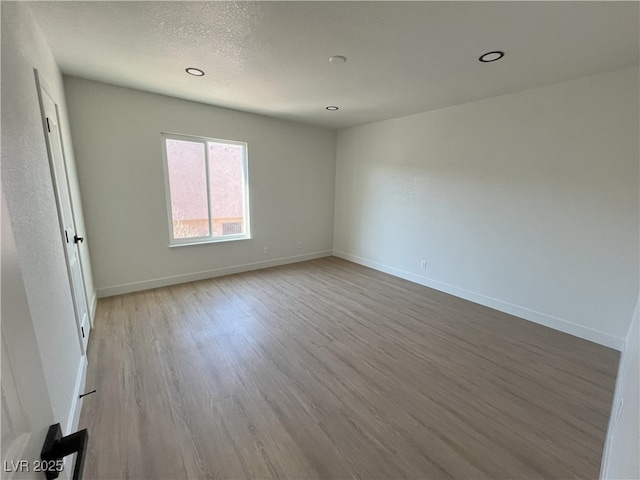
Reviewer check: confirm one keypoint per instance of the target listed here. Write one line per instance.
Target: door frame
(42, 88)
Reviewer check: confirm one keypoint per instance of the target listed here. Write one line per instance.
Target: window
(207, 189)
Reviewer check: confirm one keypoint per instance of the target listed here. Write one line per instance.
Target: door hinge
(82, 328)
(48, 126)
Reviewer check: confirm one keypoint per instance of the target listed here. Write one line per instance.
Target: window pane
(226, 164)
(188, 185)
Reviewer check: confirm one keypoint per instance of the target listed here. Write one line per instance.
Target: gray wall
(116, 133)
(526, 202)
(28, 189)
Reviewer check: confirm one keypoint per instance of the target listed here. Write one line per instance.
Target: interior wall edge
(31, 205)
(625, 373)
(586, 333)
(206, 274)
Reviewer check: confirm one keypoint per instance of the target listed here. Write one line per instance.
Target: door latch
(56, 447)
(77, 239)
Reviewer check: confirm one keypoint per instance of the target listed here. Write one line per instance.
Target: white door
(70, 236)
(26, 407)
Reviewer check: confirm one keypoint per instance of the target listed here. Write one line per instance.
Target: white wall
(22, 371)
(116, 134)
(526, 202)
(622, 449)
(28, 188)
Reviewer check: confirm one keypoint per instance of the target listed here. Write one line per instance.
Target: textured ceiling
(403, 57)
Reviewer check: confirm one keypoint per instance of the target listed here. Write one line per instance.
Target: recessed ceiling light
(338, 59)
(332, 108)
(196, 72)
(491, 56)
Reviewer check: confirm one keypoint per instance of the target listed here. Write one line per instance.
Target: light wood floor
(326, 369)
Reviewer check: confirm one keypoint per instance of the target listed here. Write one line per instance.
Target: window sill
(209, 241)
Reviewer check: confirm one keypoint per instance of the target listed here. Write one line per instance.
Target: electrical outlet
(423, 264)
(266, 250)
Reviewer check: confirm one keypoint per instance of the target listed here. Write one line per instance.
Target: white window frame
(178, 242)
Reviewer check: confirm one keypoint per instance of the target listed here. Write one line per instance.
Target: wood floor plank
(327, 369)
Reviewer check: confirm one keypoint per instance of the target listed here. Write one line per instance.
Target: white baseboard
(76, 404)
(218, 272)
(565, 326)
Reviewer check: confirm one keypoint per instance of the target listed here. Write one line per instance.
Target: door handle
(56, 447)
(77, 239)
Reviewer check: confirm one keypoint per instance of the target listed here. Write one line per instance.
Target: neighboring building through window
(207, 189)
